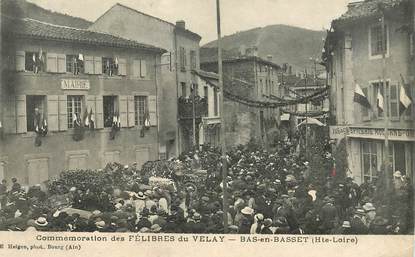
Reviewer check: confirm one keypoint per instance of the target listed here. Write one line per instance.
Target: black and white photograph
(269, 117)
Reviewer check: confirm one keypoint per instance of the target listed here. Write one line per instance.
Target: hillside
(25, 9)
(286, 44)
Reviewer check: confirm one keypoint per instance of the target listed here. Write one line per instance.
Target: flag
(81, 57)
(404, 100)
(116, 62)
(147, 120)
(380, 101)
(41, 55)
(118, 121)
(86, 118)
(360, 97)
(91, 119)
(333, 170)
(34, 57)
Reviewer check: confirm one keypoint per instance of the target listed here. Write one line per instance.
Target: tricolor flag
(404, 100)
(380, 101)
(333, 170)
(91, 119)
(360, 97)
(81, 57)
(147, 120)
(116, 62)
(34, 57)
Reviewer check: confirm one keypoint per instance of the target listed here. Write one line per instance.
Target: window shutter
(122, 67)
(51, 62)
(131, 111)
(143, 68)
(61, 63)
(97, 65)
(123, 111)
(53, 112)
(21, 114)
(394, 102)
(89, 64)
(90, 104)
(63, 113)
(20, 60)
(136, 68)
(99, 116)
(10, 115)
(152, 109)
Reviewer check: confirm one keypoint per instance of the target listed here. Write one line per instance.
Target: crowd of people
(268, 193)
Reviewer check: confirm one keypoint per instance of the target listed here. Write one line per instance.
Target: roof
(298, 82)
(367, 8)
(235, 59)
(186, 31)
(210, 77)
(41, 30)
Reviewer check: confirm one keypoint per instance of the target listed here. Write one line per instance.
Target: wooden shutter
(89, 64)
(10, 115)
(122, 67)
(136, 68)
(394, 102)
(131, 111)
(61, 63)
(20, 60)
(143, 68)
(21, 114)
(97, 65)
(90, 104)
(123, 110)
(152, 109)
(99, 114)
(51, 62)
(53, 112)
(63, 113)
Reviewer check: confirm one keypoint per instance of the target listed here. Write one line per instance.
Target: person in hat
(379, 226)
(246, 221)
(328, 215)
(257, 225)
(155, 228)
(266, 229)
(370, 212)
(41, 224)
(101, 226)
(139, 202)
(281, 226)
(16, 187)
(358, 225)
(143, 221)
(3, 193)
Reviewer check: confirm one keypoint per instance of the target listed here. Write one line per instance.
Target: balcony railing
(185, 107)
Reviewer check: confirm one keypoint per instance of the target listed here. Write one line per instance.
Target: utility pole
(222, 125)
(306, 118)
(193, 116)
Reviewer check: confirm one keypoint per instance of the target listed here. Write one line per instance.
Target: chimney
(269, 58)
(181, 24)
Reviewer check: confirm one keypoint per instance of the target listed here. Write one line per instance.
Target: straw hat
(247, 211)
(41, 222)
(346, 224)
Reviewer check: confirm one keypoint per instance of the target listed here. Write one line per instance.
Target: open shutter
(122, 67)
(123, 111)
(51, 62)
(89, 64)
(131, 111)
(394, 102)
(97, 65)
(20, 60)
(21, 114)
(90, 104)
(53, 112)
(63, 113)
(61, 63)
(10, 115)
(99, 116)
(143, 68)
(136, 68)
(152, 109)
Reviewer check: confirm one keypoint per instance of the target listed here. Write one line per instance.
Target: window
(378, 87)
(110, 110)
(378, 43)
(35, 111)
(215, 102)
(109, 67)
(139, 68)
(183, 85)
(74, 64)
(369, 160)
(141, 108)
(32, 62)
(183, 59)
(193, 59)
(397, 156)
(196, 88)
(93, 65)
(74, 109)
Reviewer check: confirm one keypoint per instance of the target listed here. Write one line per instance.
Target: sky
(200, 15)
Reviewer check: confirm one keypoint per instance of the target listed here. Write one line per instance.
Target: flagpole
(386, 106)
(222, 127)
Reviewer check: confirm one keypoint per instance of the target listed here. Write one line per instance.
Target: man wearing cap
(246, 221)
(357, 223)
(328, 215)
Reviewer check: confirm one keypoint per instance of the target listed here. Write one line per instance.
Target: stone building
(360, 53)
(97, 94)
(182, 56)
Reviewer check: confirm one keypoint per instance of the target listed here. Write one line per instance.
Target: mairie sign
(75, 84)
(337, 132)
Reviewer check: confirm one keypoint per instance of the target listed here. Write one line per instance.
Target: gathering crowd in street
(268, 193)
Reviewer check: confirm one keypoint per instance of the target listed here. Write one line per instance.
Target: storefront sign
(338, 132)
(75, 84)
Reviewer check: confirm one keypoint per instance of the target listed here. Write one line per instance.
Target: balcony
(185, 107)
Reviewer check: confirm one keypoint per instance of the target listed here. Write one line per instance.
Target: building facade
(96, 96)
(249, 77)
(181, 57)
(381, 62)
